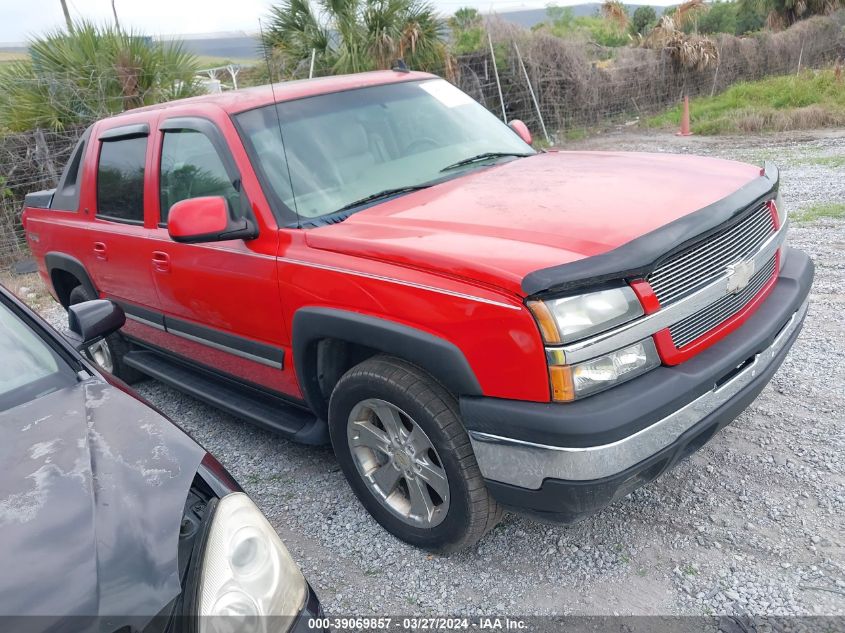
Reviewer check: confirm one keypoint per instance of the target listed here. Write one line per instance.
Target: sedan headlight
(247, 572)
(568, 319)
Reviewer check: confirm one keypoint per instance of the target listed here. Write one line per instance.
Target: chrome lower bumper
(526, 464)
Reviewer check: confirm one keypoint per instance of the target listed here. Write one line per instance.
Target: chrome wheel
(100, 353)
(398, 463)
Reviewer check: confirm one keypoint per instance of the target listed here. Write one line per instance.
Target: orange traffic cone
(684, 131)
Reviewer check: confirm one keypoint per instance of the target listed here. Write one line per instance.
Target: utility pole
(67, 16)
(113, 10)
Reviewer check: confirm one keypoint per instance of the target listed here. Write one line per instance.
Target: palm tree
(73, 78)
(357, 35)
(467, 31)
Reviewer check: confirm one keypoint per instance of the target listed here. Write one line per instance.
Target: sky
(20, 19)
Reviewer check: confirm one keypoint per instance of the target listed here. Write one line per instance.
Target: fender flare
(60, 261)
(440, 358)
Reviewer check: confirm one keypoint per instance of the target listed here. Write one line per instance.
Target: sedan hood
(91, 499)
(495, 226)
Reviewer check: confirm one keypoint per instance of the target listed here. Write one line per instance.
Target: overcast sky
(20, 19)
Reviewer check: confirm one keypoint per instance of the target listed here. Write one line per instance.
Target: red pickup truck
(377, 261)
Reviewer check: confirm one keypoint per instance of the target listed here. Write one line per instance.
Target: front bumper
(563, 461)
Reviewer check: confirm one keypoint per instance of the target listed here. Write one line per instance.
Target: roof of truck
(234, 101)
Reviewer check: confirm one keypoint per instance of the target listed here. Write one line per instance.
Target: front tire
(107, 353)
(400, 442)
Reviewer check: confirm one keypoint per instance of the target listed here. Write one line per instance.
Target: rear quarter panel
(49, 230)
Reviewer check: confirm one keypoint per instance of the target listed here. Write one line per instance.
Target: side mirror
(521, 130)
(90, 321)
(206, 220)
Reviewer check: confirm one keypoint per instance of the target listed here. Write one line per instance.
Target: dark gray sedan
(111, 517)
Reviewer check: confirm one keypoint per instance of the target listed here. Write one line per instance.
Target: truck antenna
(278, 121)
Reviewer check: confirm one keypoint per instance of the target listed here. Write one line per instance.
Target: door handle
(161, 262)
(100, 251)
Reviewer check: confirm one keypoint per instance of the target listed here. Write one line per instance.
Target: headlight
(597, 374)
(247, 571)
(568, 319)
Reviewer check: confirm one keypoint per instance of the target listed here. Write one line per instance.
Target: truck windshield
(346, 147)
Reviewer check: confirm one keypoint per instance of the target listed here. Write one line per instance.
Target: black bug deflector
(639, 256)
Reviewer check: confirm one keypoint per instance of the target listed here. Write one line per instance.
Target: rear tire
(400, 442)
(107, 354)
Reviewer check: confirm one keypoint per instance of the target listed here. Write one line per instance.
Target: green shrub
(72, 79)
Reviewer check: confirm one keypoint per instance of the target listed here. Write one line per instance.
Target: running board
(251, 405)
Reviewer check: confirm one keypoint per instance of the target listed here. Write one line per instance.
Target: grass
(576, 134)
(815, 99)
(835, 210)
(9, 56)
(29, 288)
(825, 161)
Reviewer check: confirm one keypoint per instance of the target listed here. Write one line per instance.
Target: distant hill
(237, 45)
(531, 17)
(211, 48)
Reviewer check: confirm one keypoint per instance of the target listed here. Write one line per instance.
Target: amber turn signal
(563, 389)
(545, 320)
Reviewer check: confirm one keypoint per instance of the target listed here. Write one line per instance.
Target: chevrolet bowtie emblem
(739, 274)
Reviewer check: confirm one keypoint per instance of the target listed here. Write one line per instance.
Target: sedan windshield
(345, 150)
(31, 368)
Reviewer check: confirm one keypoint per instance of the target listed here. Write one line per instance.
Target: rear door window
(120, 180)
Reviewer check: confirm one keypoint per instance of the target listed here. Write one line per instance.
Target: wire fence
(578, 85)
(29, 161)
(575, 88)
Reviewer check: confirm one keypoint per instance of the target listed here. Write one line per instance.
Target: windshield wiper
(484, 156)
(387, 193)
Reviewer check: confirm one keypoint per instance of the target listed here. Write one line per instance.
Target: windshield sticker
(446, 93)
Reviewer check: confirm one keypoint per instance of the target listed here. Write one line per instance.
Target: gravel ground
(751, 524)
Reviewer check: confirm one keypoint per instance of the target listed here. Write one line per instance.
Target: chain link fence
(576, 88)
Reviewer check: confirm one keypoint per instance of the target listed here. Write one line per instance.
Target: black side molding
(231, 343)
(640, 256)
(440, 358)
(144, 315)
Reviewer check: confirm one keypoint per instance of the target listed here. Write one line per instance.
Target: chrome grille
(690, 270)
(685, 331)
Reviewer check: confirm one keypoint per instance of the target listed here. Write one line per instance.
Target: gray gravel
(752, 523)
